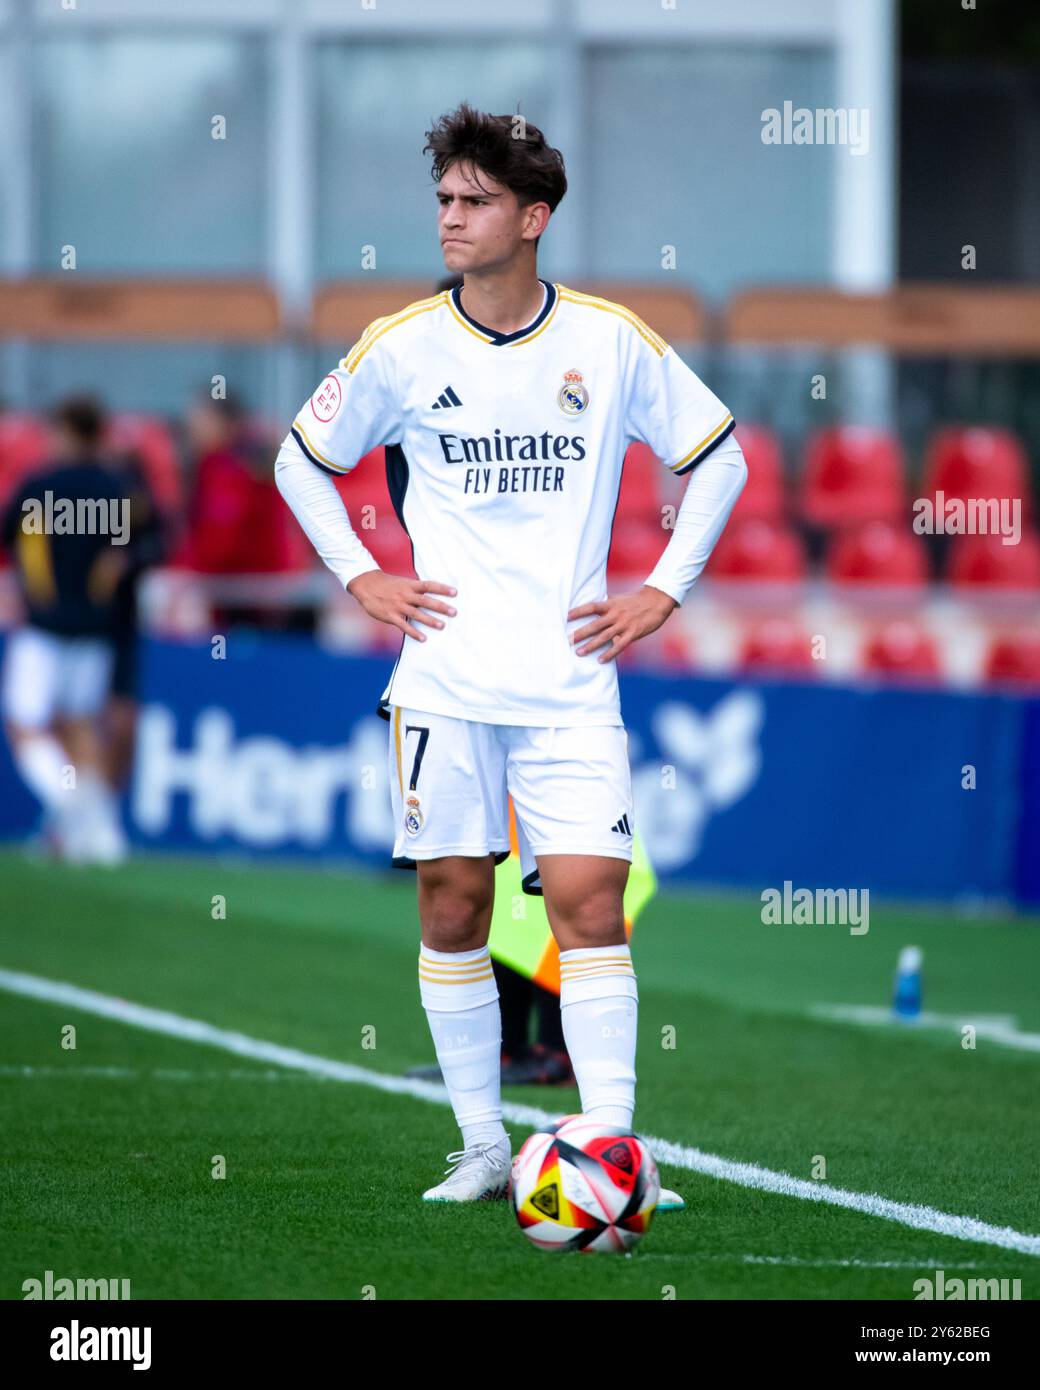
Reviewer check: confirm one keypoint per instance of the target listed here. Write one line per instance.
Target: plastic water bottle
(907, 1001)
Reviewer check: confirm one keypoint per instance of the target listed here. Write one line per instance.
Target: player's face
(479, 222)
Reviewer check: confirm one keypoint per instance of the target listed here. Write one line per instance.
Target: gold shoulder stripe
(643, 329)
(607, 306)
(367, 331)
(431, 300)
(378, 327)
(612, 304)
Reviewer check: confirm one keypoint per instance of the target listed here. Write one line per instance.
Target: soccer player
(505, 408)
(545, 1061)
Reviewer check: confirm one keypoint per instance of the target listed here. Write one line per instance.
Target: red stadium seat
(763, 495)
(902, 648)
(640, 497)
(978, 462)
(677, 649)
(752, 549)
(24, 446)
(149, 438)
(636, 546)
(986, 562)
(1015, 660)
(853, 473)
(367, 469)
(878, 553)
(778, 644)
(366, 486)
(390, 546)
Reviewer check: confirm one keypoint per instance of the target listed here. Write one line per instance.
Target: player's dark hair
(508, 148)
(82, 417)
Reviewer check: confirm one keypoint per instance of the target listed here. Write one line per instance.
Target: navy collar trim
(497, 339)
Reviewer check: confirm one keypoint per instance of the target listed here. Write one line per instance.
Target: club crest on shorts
(413, 816)
(572, 397)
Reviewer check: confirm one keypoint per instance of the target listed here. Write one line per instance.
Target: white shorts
(46, 675)
(451, 780)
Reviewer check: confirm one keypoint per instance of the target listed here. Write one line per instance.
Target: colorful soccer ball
(577, 1185)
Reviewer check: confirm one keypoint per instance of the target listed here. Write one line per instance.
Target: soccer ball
(577, 1185)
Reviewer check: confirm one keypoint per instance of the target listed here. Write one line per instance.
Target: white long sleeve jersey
(504, 455)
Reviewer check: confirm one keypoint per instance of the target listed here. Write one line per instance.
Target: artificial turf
(108, 1149)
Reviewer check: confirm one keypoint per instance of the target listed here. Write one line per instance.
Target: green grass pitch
(107, 1149)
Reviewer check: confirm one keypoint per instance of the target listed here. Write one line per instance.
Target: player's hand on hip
(393, 599)
(617, 622)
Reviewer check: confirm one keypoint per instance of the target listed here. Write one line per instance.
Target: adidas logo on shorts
(622, 826)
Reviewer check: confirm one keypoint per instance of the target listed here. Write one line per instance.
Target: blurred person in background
(67, 529)
(236, 522)
(148, 546)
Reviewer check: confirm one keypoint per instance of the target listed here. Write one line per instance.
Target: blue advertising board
(275, 747)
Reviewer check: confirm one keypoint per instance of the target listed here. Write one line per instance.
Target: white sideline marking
(850, 1264)
(151, 1073)
(680, 1156)
(814, 1264)
(998, 1028)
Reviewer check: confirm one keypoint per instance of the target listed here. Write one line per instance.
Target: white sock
(97, 812)
(460, 996)
(41, 760)
(599, 1005)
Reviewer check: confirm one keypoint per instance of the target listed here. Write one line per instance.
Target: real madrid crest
(572, 397)
(413, 816)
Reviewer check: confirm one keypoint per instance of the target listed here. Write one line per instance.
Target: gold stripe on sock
(617, 966)
(598, 975)
(453, 967)
(454, 964)
(456, 979)
(574, 964)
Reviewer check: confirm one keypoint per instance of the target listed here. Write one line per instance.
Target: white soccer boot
(479, 1173)
(669, 1201)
